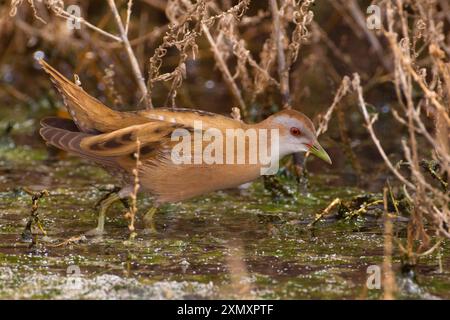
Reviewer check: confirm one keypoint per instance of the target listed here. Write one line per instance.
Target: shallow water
(236, 244)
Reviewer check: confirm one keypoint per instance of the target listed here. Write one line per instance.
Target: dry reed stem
(324, 212)
(34, 217)
(356, 83)
(131, 214)
(113, 94)
(349, 20)
(127, 21)
(428, 200)
(58, 10)
(302, 17)
(360, 19)
(342, 91)
(221, 64)
(389, 286)
(283, 71)
(64, 14)
(230, 40)
(131, 56)
(416, 255)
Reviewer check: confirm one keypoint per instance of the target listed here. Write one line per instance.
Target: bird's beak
(317, 150)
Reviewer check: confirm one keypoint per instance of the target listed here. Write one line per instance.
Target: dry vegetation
(256, 55)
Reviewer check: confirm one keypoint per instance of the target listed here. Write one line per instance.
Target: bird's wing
(117, 148)
(191, 117)
(152, 137)
(65, 135)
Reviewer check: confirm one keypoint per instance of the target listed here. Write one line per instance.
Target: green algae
(189, 254)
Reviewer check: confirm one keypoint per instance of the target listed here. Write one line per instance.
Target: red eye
(295, 131)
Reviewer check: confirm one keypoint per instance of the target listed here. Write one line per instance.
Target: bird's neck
(277, 137)
(270, 134)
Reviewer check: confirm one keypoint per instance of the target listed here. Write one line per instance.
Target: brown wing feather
(68, 140)
(123, 142)
(60, 123)
(187, 117)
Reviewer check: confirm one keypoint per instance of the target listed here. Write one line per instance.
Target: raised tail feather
(88, 113)
(64, 134)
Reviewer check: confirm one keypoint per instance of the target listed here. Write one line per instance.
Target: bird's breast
(171, 183)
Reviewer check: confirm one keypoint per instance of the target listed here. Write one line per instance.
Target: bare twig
(127, 21)
(389, 286)
(324, 212)
(283, 71)
(369, 125)
(134, 63)
(58, 9)
(225, 71)
(341, 92)
(360, 19)
(131, 214)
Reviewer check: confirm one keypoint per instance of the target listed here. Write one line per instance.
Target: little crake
(110, 138)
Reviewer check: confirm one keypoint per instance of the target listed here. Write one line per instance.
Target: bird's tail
(89, 114)
(64, 134)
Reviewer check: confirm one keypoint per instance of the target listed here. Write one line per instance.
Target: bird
(126, 142)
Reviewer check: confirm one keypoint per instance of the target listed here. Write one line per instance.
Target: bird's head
(296, 134)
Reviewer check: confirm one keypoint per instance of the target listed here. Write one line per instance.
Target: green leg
(104, 206)
(107, 195)
(148, 219)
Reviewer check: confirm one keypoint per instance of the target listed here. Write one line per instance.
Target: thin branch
(283, 71)
(324, 212)
(64, 14)
(369, 125)
(360, 19)
(127, 22)
(341, 92)
(225, 71)
(134, 63)
(389, 287)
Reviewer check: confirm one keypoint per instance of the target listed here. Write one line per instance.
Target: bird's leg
(148, 218)
(115, 189)
(116, 194)
(104, 204)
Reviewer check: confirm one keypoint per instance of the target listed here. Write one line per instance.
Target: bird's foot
(104, 204)
(149, 220)
(110, 191)
(150, 229)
